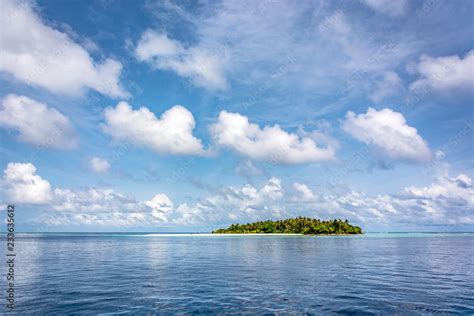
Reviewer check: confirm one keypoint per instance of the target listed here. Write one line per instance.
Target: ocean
(120, 274)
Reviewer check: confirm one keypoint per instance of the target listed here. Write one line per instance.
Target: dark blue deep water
(111, 274)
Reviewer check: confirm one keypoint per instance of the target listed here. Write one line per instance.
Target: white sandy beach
(217, 235)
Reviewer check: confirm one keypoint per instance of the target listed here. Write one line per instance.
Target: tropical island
(298, 225)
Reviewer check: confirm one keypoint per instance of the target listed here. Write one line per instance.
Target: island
(298, 225)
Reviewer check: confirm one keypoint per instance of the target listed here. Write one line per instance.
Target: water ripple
(119, 274)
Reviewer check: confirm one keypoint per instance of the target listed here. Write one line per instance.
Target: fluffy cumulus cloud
(161, 207)
(92, 200)
(36, 123)
(101, 206)
(99, 165)
(36, 54)
(201, 66)
(446, 201)
(450, 198)
(445, 73)
(170, 134)
(390, 7)
(23, 185)
(270, 143)
(106, 207)
(95, 206)
(389, 133)
(230, 204)
(88, 206)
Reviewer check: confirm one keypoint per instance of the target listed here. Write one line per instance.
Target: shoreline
(211, 234)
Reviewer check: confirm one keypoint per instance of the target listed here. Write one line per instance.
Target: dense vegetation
(299, 225)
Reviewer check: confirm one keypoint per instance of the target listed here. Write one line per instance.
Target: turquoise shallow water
(167, 274)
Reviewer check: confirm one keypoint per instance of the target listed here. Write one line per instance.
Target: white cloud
(389, 85)
(103, 206)
(23, 185)
(305, 193)
(153, 44)
(161, 207)
(106, 207)
(389, 133)
(94, 201)
(272, 189)
(90, 206)
(244, 203)
(269, 143)
(99, 165)
(36, 123)
(201, 66)
(445, 73)
(446, 201)
(463, 181)
(192, 215)
(390, 7)
(37, 54)
(171, 133)
(445, 188)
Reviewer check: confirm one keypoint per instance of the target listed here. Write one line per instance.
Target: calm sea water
(161, 274)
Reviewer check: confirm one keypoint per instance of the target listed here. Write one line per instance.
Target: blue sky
(187, 116)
